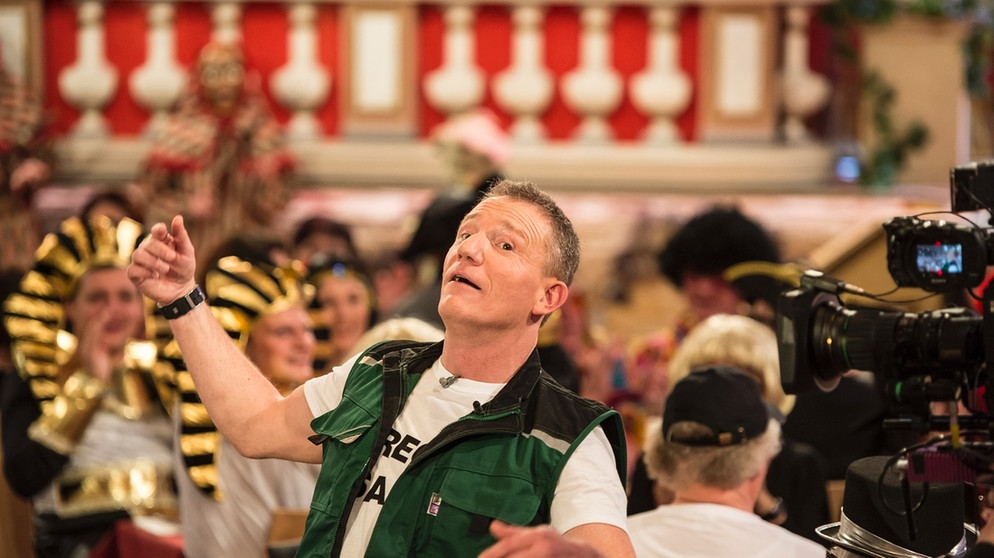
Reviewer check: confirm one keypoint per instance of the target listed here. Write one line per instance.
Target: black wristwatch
(183, 304)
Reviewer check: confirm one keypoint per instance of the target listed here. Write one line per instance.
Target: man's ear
(553, 298)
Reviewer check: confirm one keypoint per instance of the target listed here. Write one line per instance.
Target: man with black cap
(717, 441)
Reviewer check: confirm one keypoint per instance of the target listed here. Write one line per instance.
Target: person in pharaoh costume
(221, 159)
(86, 435)
(25, 165)
(228, 503)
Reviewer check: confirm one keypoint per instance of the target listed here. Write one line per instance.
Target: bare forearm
(241, 402)
(235, 394)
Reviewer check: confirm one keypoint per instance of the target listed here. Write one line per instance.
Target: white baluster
(662, 90)
(525, 88)
(457, 85)
(89, 83)
(226, 19)
(804, 91)
(158, 83)
(593, 89)
(302, 84)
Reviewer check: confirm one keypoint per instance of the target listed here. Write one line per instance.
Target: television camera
(933, 365)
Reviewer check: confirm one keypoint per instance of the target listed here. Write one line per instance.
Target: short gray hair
(677, 466)
(563, 256)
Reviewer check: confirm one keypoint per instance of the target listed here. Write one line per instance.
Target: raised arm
(244, 405)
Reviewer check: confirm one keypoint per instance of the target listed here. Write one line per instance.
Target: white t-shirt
(589, 489)
(238, 524)
(707, 530)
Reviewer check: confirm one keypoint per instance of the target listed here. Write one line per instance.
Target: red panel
(629, 35)
(124, 37)
(60, 51)
(328, 37)
(562, 39)
(431, 30)
(493, 51)
(264, 41)
(193, 31)
(689, 53)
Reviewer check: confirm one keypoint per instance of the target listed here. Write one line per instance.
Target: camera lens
(894, 344)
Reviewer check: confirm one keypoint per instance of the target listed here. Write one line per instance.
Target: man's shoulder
(558, 399)
(396, 347)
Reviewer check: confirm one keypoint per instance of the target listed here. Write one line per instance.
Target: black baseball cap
(725, 399)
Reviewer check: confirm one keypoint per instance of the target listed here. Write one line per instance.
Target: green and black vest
(501, 461)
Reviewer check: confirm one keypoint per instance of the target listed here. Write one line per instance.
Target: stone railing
(718, 99)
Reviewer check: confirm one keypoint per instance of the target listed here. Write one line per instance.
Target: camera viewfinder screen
(940, 259)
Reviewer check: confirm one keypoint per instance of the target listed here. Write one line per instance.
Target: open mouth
(461, 279)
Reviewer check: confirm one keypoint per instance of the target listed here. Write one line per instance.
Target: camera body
(971, 186)
(921, 358)
(936, 256)
(942, 356)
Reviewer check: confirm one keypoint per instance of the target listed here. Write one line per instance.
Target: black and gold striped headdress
(34, 314)
(240, 293)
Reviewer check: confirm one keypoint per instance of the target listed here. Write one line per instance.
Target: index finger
(507, 543)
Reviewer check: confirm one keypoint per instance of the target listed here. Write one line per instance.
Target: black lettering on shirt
(378, 492)
(392, 439)
(398, 447)
(406, 446)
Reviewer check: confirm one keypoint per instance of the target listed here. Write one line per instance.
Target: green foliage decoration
(881, 165)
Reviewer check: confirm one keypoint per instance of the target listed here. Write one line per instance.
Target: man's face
(282, 346)
(710, 294)
(107, 305)
(495, 272)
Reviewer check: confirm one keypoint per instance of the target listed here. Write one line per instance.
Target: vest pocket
(344, 455)
(466, 503)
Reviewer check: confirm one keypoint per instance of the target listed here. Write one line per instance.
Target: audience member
(259, 245)
(875, 521)
(221, 160)
(555, 360)
(113, 204)
(694, 259)
(344, 308)
(85, 435)
(15, 513)
(412, 329)
(487, 443)
(717, 440)
(846, 423)
(320, 235)
(794, 494)
(227, 501)
(393, 280)
(473, 147)
(25, 166)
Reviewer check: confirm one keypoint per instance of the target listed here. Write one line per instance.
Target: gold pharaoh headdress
(240, 293)
(34, 314)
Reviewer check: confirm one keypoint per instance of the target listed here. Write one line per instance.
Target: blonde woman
(794, 495)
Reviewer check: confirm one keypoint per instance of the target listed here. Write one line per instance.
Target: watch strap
(184, 304)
